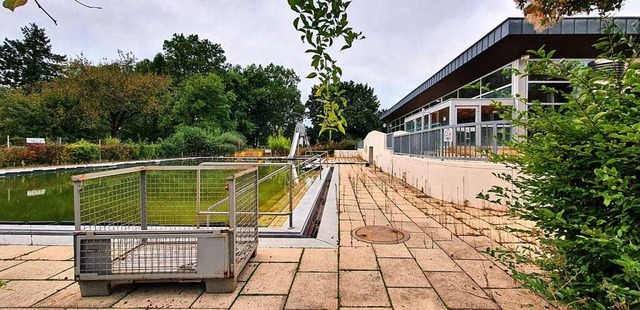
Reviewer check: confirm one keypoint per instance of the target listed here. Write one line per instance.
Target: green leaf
(13, 4)
(312, 75)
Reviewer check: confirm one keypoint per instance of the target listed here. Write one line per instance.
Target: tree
(113, 93)
(23, 63)
(268, 100)
(545, 13)
(577, 181)
(183, 57)
(361, 113)
(203, 101)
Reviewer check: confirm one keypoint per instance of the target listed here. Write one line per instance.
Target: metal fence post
(291, 167)
(257, 201)
(77, 187)
(198, 176)
(143, 200)
(232, 223)
(495, 138)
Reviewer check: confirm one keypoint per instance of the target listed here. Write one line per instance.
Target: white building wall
(456, 181)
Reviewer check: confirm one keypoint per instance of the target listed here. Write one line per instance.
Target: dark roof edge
(510, 26)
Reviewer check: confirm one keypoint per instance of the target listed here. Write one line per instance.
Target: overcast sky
(406, 42)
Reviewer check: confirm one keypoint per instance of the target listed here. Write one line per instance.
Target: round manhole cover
(380, 234)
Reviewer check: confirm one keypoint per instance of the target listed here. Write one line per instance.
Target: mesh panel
(246, 226)
(111, 203)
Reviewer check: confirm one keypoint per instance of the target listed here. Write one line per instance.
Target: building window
(496, 80)
(440, 118)
(489, 114)
(548, 92)
(409, 126)
(466, 115)
(418, 123)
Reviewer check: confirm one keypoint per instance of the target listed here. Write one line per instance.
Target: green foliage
(202, 101)
(84, 152)
(196, 141)
(361, 113)
(578, 181)
(13, 4)
(279, 144)
(24, 63)
(322, 23)
(185, 56)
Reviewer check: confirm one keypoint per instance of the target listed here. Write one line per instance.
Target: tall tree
(202, 101)
(268, 100)
(361, 113)
(545, 13)
(25, 62)
(184, 56)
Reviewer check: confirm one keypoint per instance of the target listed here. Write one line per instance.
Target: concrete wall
(456, 181)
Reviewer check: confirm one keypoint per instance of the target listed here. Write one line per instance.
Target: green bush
(279, 144)
(116, 152)
(84, 152)
(579, 183)
(235, 139)
(57, 154)
(196, 141)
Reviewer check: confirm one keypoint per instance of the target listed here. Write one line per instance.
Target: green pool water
(48, 197)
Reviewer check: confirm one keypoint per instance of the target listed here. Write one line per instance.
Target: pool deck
(441, 266)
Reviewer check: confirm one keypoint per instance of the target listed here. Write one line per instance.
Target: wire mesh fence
(146, 222)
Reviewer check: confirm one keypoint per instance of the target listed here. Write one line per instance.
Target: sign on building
(35, 140)
(448, 135)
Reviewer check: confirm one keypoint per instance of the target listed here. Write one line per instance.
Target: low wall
(456, 181)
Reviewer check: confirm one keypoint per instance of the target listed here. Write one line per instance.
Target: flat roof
(571, 38)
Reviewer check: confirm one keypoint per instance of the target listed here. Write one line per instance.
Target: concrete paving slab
(35, 270)
(457, 290)
(517, 299)
(314, 291)
(357, 258)
(247, 271)
(22, 294)
(221, 300)
(415, 298)
(65, 275)
(392, 250)
(362, 289)
(438, 233)
(402, 273)
(319, 260)
(458, 249)
(271, 279)
(162, 295)
(4, 264)
(247, 302)
(70, 298)
(434, 260)
(54, 252)
(419, 240)
(487, 274)
(14, 251)
(277, 255)
(346, 240)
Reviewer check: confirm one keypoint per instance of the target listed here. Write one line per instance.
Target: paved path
(439, 267)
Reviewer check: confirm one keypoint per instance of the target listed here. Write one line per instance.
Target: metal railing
(463, 141)
(295, 172)
(143, 223)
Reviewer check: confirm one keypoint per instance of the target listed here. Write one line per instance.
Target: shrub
(57, 154)
(235, 139)
(116, 152)
(279, 144)
(578, 183)
(84, 152)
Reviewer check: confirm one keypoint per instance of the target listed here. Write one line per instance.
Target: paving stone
(266, 302)
(271, 279)
(13, 251)
(314, 291)
(35, 270)
(480, 243)
(277, 255)
(458, 249)
(392, 250)
(65, 275)
(438, 233)
(162, 295)
(457, 290)
(434, 260)
(319, 260)
(27, 293)
(419, 240)
(247, 271)
(346, 240)
(427, 223)
(221, 300)
(487, 274)
(4, 264)
(357, 258)
(415, 298)
(402, 273)
(362, 289)
(70, 298)
(62, 252)
(516, 299)
(409, 226)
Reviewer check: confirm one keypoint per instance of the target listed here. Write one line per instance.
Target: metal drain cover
(380, 234)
